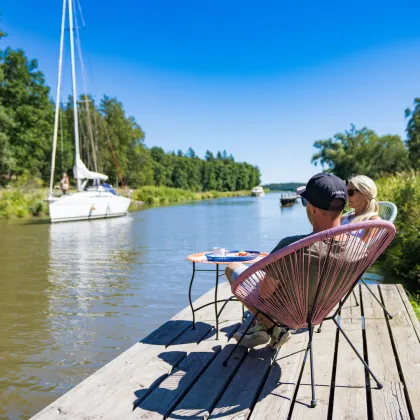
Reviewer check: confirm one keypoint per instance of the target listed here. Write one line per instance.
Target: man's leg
(263, 329)
(232, 272)
(258, 333)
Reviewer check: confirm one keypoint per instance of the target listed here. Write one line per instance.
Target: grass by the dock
(415, 303)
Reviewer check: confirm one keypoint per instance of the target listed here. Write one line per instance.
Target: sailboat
(98, 200)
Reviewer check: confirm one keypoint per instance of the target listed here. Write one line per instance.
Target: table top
(200, 257)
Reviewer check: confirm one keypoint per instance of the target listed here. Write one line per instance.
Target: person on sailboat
(64, 184)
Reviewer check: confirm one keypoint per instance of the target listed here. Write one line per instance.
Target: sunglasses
(351, 192)
(303, 201)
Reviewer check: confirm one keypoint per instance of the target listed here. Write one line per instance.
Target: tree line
(110, 141)
(284, 186)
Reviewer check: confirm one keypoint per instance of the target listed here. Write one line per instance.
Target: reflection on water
(89, 270)
(75, 295)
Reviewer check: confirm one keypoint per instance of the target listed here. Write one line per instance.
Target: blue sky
(263, 81)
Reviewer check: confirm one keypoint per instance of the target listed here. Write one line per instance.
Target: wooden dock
(176, 372)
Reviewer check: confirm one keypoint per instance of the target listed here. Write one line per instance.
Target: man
(326, 197)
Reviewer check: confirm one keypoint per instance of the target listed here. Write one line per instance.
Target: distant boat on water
(288, 199)
(257, 192)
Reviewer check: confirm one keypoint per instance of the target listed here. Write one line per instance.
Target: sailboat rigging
(89, 202)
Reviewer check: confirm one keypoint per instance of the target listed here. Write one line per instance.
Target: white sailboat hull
(87, 205)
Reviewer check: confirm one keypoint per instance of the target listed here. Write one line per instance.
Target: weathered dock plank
(170, 391)
(407, 345)
(350, 382)
(409, 310)
(389, 402)
(203, 396)
(277, 394)
(238, 399)
(323, 350)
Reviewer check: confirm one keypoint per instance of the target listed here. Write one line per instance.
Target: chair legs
(239, 342)
(320, 327)
(313, 401)
(380, 386)
(311, 357)
(355, 298)
(357, 303)
(309, 349)
(377, 300)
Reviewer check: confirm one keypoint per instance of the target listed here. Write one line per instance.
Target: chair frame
(323, 278)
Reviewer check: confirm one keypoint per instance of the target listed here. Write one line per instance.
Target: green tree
(123, 136)
(7, 161)
(208, 176)
(180, 174)
(26, 116)
(361, 152)
(162, 167)
(413, 133)
(209, 156)
(190, 153)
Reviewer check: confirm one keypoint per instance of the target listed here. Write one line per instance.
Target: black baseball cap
(323, 189)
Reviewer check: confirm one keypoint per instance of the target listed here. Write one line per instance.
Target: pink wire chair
(301, 284)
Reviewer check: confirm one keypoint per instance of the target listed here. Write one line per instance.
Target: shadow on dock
(180, 365)
(165, 393)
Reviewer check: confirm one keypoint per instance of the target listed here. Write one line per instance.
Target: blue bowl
(216, 258)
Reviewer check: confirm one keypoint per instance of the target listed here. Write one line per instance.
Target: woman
(64, 184)
(362, 192)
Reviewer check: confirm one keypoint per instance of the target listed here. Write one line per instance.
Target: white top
(346, 220)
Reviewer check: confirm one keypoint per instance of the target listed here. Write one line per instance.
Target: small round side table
(200, 258)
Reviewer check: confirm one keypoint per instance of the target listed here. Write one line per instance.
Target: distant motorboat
(288, 199)
(258, 192)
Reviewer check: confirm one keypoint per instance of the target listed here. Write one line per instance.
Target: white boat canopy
(81, 172)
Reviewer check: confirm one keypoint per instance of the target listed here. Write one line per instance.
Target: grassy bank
(20, 203)
(401, 259)
(26, 203)
(415, 303)
(166, 195)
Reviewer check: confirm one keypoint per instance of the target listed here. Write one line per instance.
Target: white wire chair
(387, 211)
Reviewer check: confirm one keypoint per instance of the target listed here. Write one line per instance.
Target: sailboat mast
(73, 76)
(57, 103)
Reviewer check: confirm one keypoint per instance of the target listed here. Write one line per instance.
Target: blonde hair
(367, 188)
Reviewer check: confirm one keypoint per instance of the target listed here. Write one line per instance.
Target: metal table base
(216, 301)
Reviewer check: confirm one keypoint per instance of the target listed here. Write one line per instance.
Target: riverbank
(30, 203)
(166, 195)
(23, 203)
